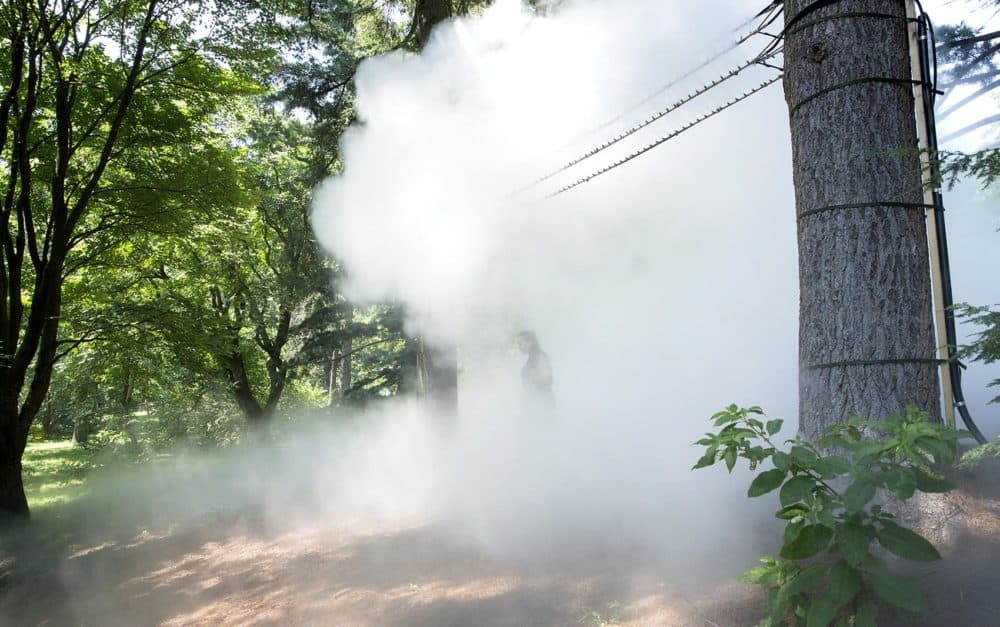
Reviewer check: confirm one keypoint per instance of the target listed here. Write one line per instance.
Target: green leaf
(821, 612)
(803, 456)
(902, 482)
(857, 495)
(807, 579)
(792, 531)
(782, 460)
(764, 575)
(796, 489)
(766, 482)
(789, 512)
(811, 540)
(865, 616)
(897, 591)
(774, 426)
(730, 458)
(853, 542)
(833, 466)
(927, 482)
(708, 459)
(939, 449)
(726, 416)
(853, 433)
(906, 543)
(823, 508)
(844, 583)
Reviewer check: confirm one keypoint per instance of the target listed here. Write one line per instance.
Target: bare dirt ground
(230, 569)
(225, 571)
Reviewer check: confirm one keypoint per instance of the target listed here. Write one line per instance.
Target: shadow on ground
(235, 569)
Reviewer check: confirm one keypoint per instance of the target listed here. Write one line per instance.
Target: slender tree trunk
(345, 373)
(331, 380)
(437, 374)
(866, 341)
(345, 363)
(409, 375)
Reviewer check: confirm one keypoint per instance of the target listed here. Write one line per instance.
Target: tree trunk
(331, 378)
(13, 502)
(409, 379)
(426, 15)
(347, 349)
(81, 429)
(254, 413)
(437, 376)
(866, 340)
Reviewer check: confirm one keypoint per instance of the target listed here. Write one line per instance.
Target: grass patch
(56, 473)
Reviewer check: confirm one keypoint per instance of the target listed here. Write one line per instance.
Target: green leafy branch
(827, 572)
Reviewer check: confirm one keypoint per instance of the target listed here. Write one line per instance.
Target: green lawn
(56, 472)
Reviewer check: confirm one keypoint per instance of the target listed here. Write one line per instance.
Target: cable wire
(736, 71)
(665, 138)
(769, 14)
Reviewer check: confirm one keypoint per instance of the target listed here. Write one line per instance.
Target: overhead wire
(736, 71)
(665, 138)
(767, 18)
(770, 51)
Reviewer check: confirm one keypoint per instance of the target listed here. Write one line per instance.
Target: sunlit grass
(56, 473)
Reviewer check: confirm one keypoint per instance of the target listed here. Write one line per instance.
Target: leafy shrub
(827, 571)
(985, 454)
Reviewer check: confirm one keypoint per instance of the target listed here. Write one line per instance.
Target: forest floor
(234, 568)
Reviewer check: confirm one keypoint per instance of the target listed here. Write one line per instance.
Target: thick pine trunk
(866, 341)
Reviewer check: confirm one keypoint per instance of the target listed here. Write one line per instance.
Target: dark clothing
(536, 375)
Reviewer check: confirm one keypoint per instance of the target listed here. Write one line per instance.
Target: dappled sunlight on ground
(224, 572)
(55, 472)
(237, 569)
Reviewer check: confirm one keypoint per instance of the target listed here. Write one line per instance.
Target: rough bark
(13, 439)
(863, 260)
(14, 503)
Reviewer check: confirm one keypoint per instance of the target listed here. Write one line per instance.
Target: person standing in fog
(536, 375)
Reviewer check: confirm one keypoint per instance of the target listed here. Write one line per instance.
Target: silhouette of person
(536, 375)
